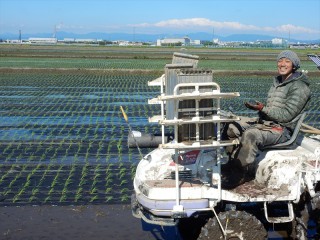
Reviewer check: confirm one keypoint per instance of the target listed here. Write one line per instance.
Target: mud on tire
(238, 225)
(315, 213)
(307, 209)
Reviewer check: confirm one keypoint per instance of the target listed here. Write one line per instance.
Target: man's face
(285, 66)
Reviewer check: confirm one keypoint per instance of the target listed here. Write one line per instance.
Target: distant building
(85, 40)
(216, 40)
(14, 41)
(278, 41)
(68, 40)
(174, 41)
(195, 42)
(304, 46)
(122, 43)
(127, 43)
(43, 40)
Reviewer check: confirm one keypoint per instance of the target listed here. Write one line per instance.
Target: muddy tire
(299, 225)
(240, 225)
(299, 230)
(315, 213)
(308, 209)
(135, 206)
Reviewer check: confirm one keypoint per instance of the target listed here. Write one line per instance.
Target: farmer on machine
(286, 101)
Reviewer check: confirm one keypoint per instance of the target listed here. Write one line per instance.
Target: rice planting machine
(181, 177)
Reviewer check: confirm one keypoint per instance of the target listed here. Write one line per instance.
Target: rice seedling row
(63, 184)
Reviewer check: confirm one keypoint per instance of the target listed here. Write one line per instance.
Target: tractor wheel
(299, 229)
(299, 226)
(308, 209)
(238, 225)
(315, 213)
(135, 206)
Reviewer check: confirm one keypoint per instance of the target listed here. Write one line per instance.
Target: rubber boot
(233, 175)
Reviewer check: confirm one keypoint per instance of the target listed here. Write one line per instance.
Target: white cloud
(189, 23)
(196, 22)
(59, 26)
(295, 29)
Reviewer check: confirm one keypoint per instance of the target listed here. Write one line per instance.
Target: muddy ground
(91, 222)
(94, 222)
(86, 222)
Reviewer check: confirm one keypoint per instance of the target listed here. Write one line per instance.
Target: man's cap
(292, 56)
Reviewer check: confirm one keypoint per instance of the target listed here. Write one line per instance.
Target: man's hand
(257, 106)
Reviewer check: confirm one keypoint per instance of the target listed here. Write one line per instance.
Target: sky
(296, 19)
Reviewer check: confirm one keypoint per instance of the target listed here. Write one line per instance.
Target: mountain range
(151, 37)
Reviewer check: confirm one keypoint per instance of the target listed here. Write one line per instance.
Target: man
(286, 101)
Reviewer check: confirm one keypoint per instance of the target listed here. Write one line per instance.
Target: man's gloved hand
(257, 106)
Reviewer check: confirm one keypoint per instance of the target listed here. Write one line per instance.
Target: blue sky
(298, 18)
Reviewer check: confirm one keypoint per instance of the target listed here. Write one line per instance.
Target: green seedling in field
(122, 175)
(22, 190)
(94, 198)
(63, 198)
(93, 190)
(123, 182)
(34, 192)
(125, 198)
(82, 182)
(124, 190)
(15, 179)
(108, 190)
(78, 196)
(109, 198)
(33, 199)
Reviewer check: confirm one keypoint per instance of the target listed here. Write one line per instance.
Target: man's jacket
(287, 100)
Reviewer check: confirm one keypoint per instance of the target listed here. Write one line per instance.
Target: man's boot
(233, 174)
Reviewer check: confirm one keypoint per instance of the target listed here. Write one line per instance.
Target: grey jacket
(286, 100)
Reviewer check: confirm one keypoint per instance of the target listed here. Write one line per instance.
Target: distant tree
(209, 43)
(177, 44)
(104, 42)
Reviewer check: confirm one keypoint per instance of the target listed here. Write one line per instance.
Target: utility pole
(134, 34)
(54, 31)
(212, 35)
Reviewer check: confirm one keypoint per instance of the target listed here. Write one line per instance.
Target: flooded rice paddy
(63, 139)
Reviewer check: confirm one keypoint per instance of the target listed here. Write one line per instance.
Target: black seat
(293, 138)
